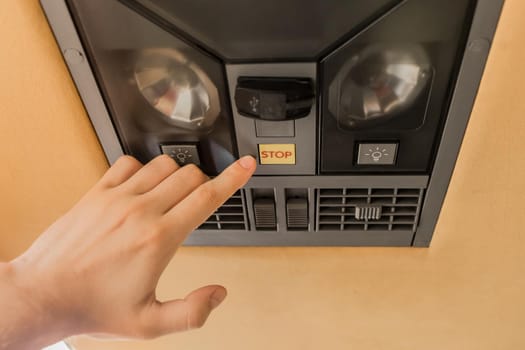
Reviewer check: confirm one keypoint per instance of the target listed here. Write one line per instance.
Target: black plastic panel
(119, 41)
(336, 210)
(434, 29)
(268, 30)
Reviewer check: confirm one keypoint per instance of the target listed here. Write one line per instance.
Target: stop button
(277, 154)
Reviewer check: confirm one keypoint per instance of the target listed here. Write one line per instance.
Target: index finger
(204, 201)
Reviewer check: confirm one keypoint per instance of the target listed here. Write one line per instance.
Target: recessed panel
(159, 89)
(355, 110)
(393, 82)
(271, 29)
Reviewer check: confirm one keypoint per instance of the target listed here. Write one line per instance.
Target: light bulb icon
(377, 153)
(182, 156)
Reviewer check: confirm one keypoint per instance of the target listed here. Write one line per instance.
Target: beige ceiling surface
(465, 292)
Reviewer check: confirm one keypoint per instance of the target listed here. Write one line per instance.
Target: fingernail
(247, 162)
(217, 297)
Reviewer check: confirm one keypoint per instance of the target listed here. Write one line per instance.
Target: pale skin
(96, 269)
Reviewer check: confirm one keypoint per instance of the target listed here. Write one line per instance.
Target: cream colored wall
(465, 292)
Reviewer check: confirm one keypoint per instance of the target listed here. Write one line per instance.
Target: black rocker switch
(297, 214)
(264, 211)
(274, 99)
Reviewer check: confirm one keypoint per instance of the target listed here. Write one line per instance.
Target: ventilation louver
(230, 216)
(368, 209)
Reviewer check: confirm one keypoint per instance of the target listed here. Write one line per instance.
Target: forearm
(24, 322)
(95, 270)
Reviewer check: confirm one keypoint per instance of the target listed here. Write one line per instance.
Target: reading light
(377, 84)
(177, 88)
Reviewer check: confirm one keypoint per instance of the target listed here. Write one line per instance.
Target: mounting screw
(74, 56)
(479, 45)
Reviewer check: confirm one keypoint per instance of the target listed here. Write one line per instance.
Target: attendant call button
(277, 154)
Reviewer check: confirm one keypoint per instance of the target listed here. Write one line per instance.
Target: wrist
(28, 321)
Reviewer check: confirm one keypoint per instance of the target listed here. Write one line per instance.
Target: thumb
(183, 314)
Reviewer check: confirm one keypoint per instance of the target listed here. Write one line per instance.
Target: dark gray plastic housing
(405, 207)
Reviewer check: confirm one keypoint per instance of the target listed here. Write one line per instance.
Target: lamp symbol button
(377, 154)
(182, 154)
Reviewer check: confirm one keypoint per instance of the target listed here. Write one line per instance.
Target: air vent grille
(230, 216)
(368, 209)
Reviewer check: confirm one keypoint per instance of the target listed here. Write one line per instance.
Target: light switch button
(377, 154)
(182, 154)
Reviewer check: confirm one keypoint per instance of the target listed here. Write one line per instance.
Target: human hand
(96, 269)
